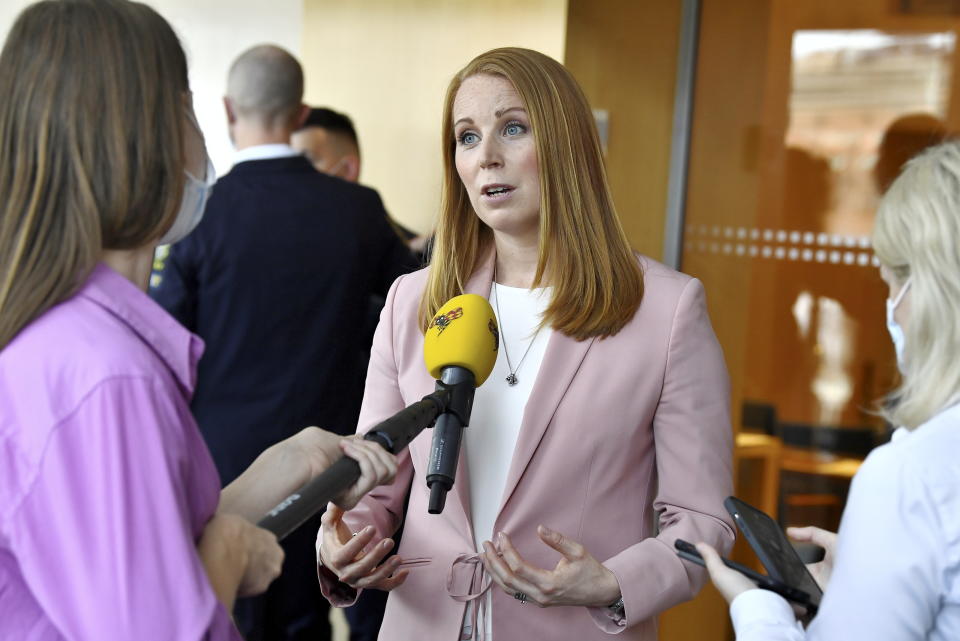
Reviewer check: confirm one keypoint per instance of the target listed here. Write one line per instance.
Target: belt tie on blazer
(468, 581)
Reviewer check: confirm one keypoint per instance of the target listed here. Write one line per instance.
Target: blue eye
(514, 129)
(468, 138)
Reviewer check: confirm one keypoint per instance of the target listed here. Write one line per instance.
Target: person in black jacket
(276, 279)
(329, 140)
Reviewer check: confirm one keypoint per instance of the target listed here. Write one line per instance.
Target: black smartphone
(773, 548)
(686, 551)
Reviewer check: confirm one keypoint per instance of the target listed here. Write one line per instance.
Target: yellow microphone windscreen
(463, 333)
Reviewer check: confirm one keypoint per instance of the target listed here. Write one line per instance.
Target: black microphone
(447, 433)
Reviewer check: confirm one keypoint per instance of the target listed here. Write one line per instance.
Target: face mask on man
(196, 192)
(896, 332)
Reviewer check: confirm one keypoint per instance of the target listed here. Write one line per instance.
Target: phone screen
(772, 547)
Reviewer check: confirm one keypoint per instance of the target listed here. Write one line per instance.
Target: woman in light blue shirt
(894, 570)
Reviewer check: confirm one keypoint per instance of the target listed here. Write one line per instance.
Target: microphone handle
(393, 434)
(444, 453)
(448, 433)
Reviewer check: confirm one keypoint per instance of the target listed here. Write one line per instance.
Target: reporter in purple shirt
(112, 521)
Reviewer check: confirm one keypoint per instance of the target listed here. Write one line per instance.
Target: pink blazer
(625, 446)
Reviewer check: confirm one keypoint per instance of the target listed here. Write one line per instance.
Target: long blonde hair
(917, 236)
(584, 253)
(91, 145)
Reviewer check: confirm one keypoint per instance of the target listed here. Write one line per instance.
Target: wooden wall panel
(624, 54)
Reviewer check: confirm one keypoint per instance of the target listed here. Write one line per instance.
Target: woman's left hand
(315, 450)
(286, 466)
(578, 579)
(729, 582)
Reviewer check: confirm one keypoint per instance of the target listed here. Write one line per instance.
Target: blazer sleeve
(694, 449)
(383, 506)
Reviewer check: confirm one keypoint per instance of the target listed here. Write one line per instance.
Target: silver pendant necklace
(512, 377)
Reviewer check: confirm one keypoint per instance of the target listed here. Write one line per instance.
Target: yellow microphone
(460, 348)
(464, 334)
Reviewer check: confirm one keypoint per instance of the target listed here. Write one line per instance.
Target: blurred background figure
(818, 375)
(329, 140)
(903, 139)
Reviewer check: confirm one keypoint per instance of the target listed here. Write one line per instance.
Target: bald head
(265, 85)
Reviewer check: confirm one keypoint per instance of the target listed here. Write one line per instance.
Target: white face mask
(196, 192)
(896, 332)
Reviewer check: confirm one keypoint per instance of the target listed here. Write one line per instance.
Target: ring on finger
(521, 597)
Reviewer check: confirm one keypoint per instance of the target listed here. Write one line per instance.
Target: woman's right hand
(264, 560)
(824, 538)
(240, 558)
(728, 581)
(342, 552)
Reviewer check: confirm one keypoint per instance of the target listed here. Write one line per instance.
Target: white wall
(9, 10)
(213, 33)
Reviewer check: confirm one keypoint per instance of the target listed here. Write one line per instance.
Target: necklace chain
(512, 378)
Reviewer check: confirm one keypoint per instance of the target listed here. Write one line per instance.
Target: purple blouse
(105, 481)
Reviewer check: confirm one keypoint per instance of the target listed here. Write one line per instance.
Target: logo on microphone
(496, 334)
(442, 321)
(287, 502)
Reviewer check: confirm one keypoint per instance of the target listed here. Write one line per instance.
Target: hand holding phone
(688, 552)
(820, 566)
(774, 549)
